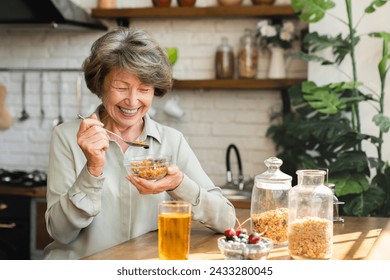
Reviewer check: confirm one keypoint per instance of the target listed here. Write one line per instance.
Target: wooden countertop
(23, 191)
(355, 239)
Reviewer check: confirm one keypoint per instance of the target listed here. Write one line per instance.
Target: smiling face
(126, 99)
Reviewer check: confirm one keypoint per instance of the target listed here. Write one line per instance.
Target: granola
(150, 169)
(310, 238)
(272, 223)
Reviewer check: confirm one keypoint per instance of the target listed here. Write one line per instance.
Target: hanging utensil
(42, 110)
(59, 120)
(24, 115)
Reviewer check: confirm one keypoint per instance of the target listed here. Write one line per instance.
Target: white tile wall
(213, 119)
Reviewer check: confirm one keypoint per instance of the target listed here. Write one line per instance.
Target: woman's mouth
(128, 111)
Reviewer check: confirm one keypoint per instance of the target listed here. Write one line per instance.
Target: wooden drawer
(14, 207)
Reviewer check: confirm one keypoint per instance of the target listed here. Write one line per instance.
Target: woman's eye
(121, 88)
(145, 90)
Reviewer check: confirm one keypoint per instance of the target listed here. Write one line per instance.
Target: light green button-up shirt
(87, 214)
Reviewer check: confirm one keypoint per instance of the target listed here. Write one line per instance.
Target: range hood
(45, 15)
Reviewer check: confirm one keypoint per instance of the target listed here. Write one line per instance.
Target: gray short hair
(130, 49)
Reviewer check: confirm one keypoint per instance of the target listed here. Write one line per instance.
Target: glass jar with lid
(310, 220)
(247, 56)
(269, 204)
(224, 60)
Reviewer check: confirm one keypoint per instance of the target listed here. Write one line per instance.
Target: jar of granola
(310, 219)
(247, 56)
(269, 205)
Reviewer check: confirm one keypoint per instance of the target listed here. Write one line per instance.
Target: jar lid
(273, 172)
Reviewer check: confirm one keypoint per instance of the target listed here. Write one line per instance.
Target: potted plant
(323, 129)
(276, 38)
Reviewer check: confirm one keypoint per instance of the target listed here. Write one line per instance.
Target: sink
(234, 194)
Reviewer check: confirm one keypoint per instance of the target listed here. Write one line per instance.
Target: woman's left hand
(171, 181)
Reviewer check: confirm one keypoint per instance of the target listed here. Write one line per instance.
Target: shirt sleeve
(209, 206)
(73, 198)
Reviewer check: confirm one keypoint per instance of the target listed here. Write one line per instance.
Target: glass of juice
(174, 226)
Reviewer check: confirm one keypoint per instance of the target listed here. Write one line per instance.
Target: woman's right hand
(93, 141)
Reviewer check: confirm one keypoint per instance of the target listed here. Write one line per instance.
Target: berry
(240, 230)
(254, 238)
(230, 233)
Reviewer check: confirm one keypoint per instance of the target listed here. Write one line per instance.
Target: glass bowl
(149, 167)
(242, 251)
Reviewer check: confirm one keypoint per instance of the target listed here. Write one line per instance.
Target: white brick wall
(213, 119)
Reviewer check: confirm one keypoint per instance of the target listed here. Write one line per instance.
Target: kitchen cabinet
(23, 234)
(123, 16)
(14, 227)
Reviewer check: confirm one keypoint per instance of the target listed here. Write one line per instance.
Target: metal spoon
(130, 143)
(24, 115)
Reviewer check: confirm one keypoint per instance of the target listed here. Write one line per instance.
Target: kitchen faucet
(240, 182)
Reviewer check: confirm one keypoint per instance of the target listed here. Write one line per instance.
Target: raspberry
(230, 233)
(254, 238)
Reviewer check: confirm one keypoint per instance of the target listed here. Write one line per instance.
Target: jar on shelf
(107, 4)
(247, 56)
(310, 220)
(161, 3)
(224, 60)
(186, 3)
(269, 204)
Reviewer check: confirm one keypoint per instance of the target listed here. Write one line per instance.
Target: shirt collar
(150, 129)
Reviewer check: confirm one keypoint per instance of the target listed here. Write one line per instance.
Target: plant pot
(186, 3)
(277, 68)
(263, 2)
(161, 3)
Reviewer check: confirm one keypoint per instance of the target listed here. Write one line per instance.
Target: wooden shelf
(277, 84)
(184, 12)
(122, 14)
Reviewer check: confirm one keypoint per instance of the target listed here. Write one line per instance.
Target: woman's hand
(93, 141)
(171, 181)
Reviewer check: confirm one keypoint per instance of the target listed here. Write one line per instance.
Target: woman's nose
(131, 97)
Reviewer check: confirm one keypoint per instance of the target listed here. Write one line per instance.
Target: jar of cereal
(310, 220)
(269, 204)
(247, 56)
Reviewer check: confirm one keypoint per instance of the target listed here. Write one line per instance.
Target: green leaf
(172, 54)
(295, 94)
(310, 57)
(323, 101)
(382, 67)
(329, 99)
(382, 121)
(374, 5)
(354, 161)
(312, 10)
(340, 47)
(365, 203)
(349, 183)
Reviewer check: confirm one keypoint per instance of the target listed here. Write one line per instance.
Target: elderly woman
(92, 204)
